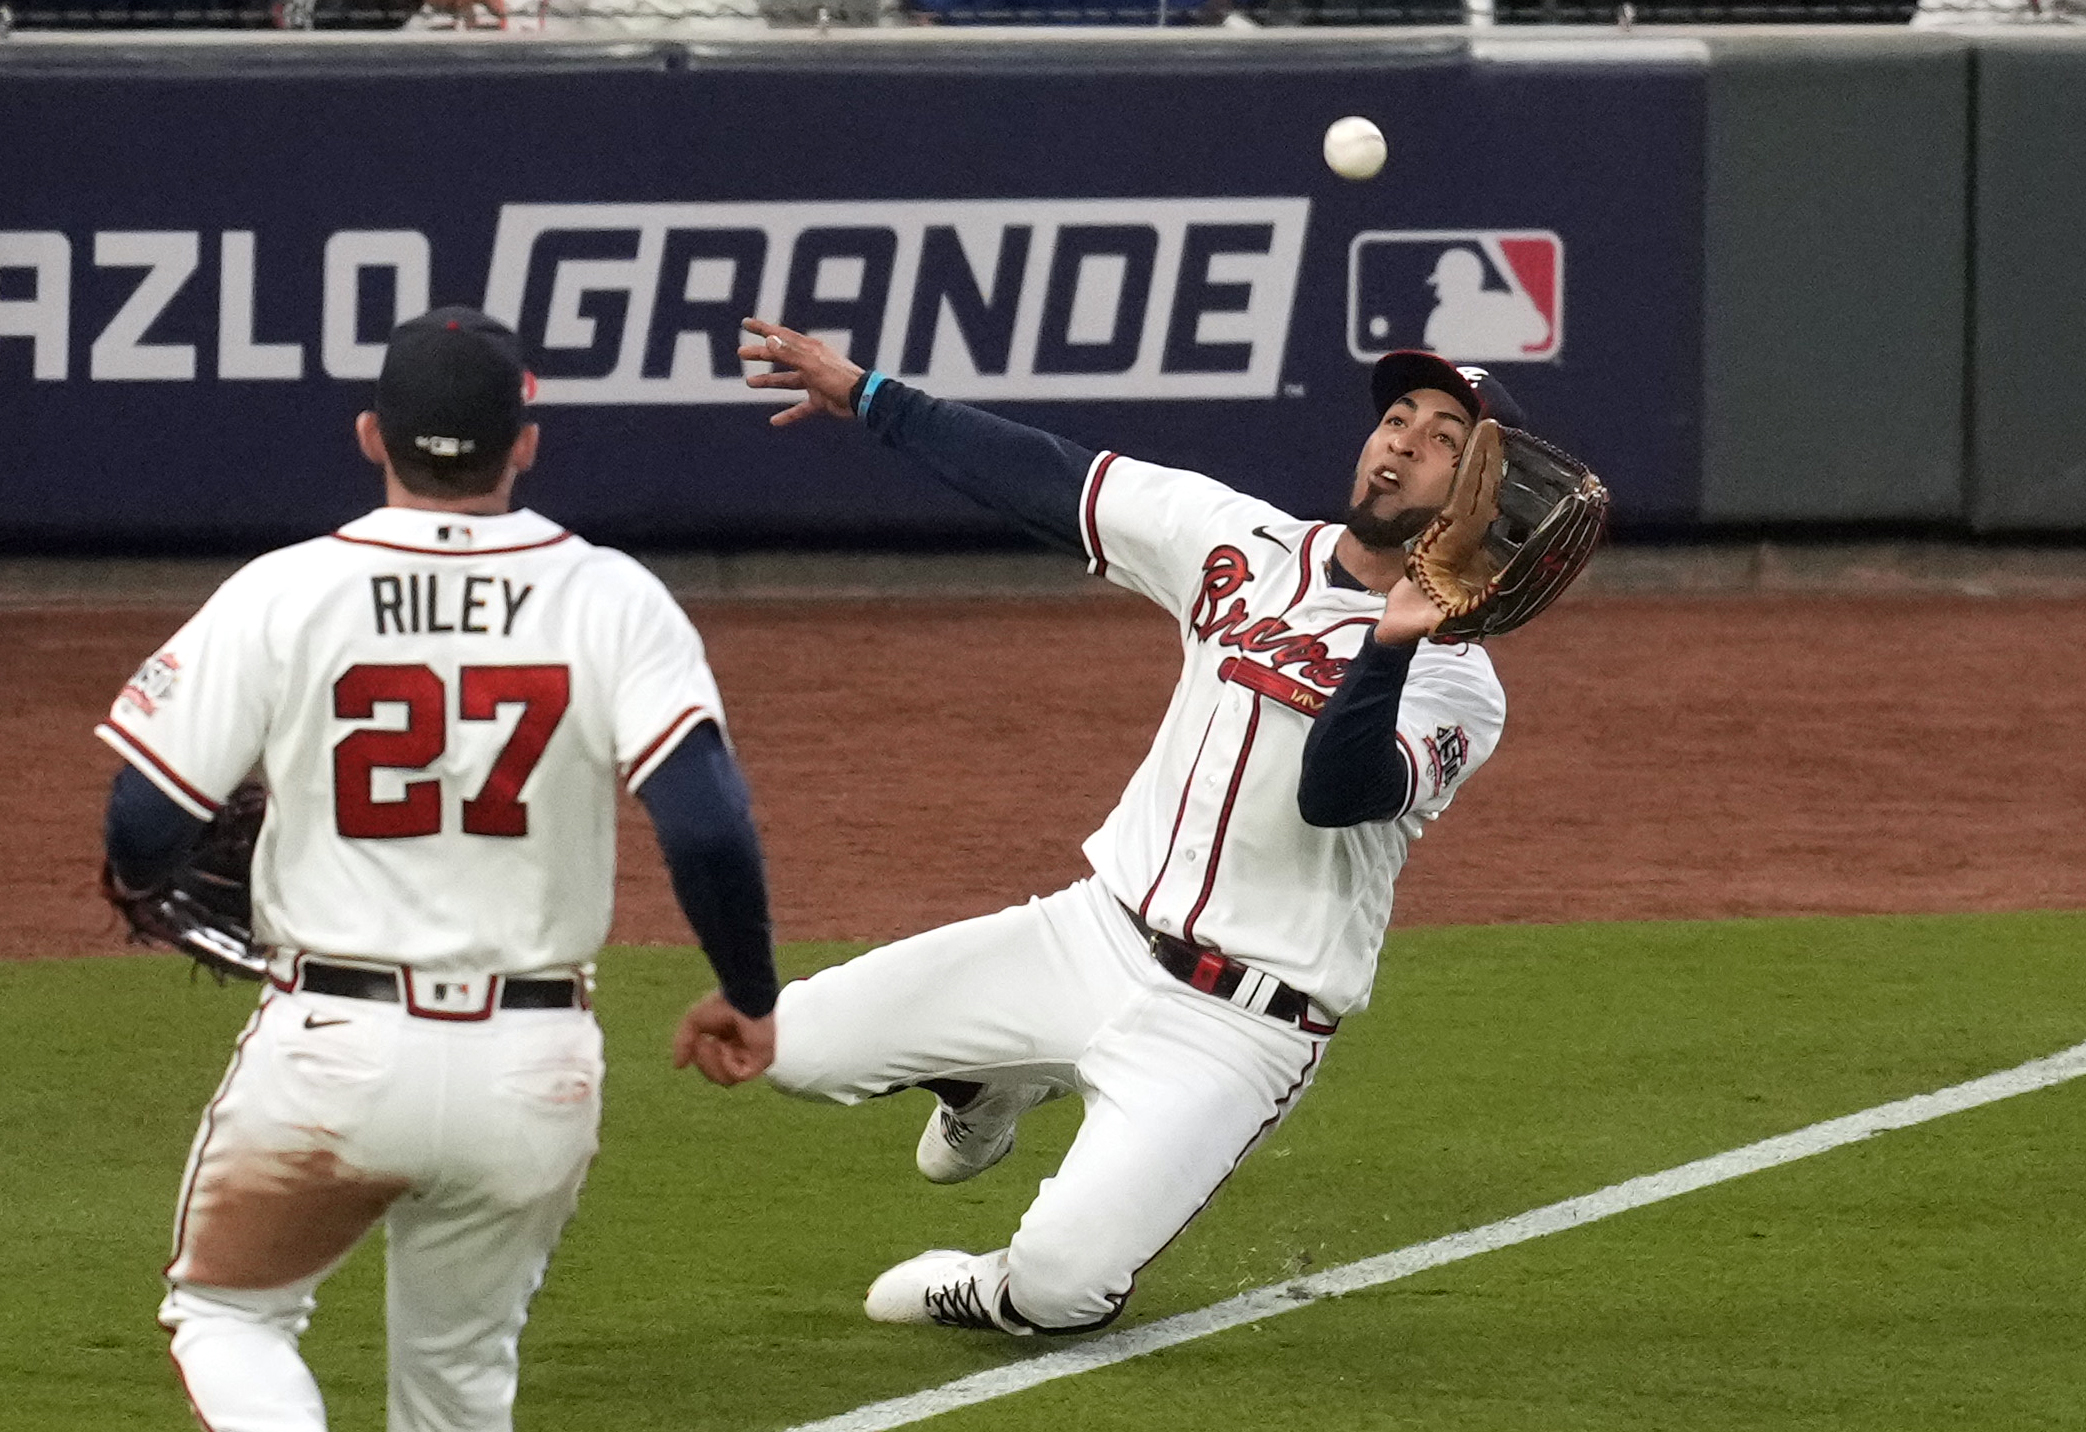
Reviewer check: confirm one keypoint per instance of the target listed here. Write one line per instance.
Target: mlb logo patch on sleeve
(1471, 295)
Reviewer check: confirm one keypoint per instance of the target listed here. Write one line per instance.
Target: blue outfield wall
(200, 254)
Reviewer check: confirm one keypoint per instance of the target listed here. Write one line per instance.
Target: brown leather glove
(1521, 520)
(204, 907)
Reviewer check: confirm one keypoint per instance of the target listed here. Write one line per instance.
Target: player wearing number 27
(441, 697)
(1187, 990)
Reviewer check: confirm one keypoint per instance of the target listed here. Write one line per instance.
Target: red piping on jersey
(1412, 787)
(445, 552)
(1304, 565)
(1209, 874)
(1271, 683)
(162, 767)
(1144, 907)
(1092, 516)
(188, 1183)
(660, 740)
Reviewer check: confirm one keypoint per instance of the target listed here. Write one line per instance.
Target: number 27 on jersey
(543, 693)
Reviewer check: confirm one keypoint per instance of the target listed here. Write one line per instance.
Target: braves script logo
(153, 682)
(1224, 573)
(1447, 750)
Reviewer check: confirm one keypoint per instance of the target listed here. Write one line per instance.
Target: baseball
(1355, 148)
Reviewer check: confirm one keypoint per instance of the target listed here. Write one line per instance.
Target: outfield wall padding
(1137, 246)
(2028, 335)
(1809, 277)
(1835, 280)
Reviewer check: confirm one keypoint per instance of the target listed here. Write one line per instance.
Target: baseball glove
(1521, 520)
(204, 908)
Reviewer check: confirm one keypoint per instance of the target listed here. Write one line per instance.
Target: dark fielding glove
(204, 908)
(1521, 520)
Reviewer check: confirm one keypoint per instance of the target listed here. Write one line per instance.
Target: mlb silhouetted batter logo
(1485, 296)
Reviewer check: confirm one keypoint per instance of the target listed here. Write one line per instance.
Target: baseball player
(1186, 990)
(441, 696)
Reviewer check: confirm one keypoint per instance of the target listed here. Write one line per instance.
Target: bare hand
(1408, 615)
(727, 1046)
(802, 363)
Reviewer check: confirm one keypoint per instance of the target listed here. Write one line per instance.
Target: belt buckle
(446, 997)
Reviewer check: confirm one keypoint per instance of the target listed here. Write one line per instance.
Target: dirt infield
(915, 762)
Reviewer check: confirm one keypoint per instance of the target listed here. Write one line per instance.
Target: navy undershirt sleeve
(1352, 768)
(145, 832)
(1021, 472)
(703, 816)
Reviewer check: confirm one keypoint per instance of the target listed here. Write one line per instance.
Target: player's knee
(810, 1051)
(190, 1309)
(794, 1075)
(1065, 1289)
(798, 1070)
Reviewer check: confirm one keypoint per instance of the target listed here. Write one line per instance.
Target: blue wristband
(871, 381)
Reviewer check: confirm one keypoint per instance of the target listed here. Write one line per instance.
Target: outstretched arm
(702, 815)
(1022, 472)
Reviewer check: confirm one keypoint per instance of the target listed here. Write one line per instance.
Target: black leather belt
(1214, 972)
(355, 982)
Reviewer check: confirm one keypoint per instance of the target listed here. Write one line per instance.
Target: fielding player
(441, 697)
(1241, 889)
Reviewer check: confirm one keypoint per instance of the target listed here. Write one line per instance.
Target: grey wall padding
(2028, 333)
(1834, 309)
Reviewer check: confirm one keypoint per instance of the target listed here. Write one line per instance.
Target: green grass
(1927, 1278)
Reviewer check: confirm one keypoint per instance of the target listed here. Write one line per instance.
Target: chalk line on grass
(1296, 1293)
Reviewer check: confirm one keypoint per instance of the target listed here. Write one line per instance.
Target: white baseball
(1355, 148)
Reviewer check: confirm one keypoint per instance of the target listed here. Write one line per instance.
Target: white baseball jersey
(428, 695)
(1207, 842)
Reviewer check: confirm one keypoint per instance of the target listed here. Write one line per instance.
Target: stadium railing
(92, 15)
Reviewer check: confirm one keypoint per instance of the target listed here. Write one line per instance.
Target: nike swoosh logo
(1263, 532)
(310, 1023)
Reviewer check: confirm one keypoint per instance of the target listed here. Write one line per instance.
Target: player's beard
(1387, 534)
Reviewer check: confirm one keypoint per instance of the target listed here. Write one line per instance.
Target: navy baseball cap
(450, 395)
(1410, 369)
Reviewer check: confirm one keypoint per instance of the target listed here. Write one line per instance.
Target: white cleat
(943, 1287)
(962, 1143)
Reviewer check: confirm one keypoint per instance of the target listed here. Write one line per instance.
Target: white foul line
(1388, 1267)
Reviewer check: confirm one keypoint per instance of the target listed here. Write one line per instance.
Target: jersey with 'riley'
(1207, 842)
(441, 705)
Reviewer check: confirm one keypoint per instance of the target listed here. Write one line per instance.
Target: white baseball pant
(1179, 1085)
(468, 1140)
